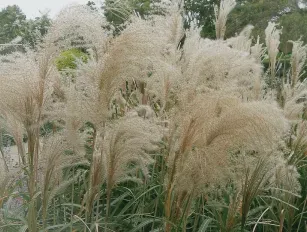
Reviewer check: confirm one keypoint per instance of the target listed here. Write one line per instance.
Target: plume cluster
(221, 15)
(202, 99)
(272, 41)
(206, 132)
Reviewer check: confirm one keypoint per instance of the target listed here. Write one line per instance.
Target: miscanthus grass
(157, 129)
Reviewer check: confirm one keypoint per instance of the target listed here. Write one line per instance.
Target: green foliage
(294, 27)
(118, 13)
(201, 13)
(258, 13)
(68, 59)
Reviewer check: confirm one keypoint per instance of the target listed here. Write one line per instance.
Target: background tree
(259, 12)
(118, 12)
(14, 24)
(201, 13)
(294, 27)
(36, 28)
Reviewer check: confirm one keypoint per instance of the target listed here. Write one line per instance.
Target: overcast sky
(32, 7)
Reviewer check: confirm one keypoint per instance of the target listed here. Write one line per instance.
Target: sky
(32, 8)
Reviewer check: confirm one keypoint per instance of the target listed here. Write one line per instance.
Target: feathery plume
(205, 139)
(272, 41)
(258, 51)
(298, 61)
(54, 157)
(76, 26)
(295, 101)
(205, 135)
(221, 14)
(125, 149)
(243, 41)
(222, 69)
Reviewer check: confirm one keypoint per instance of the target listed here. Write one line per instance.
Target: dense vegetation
(143, 125)
(16, 28)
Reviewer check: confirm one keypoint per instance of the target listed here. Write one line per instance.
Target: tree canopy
(15, 25)
(12, 23)
(289, 14)
(259, 12)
